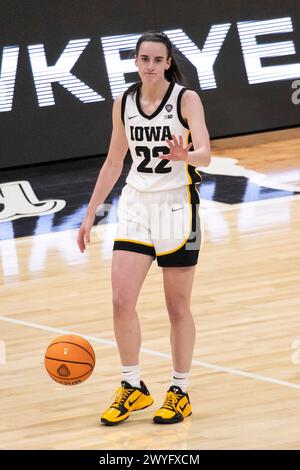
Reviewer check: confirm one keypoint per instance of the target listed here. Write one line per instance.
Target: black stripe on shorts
(134, 247)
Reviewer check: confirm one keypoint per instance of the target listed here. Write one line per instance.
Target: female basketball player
(160, 121)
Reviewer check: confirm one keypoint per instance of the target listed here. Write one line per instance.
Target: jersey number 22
(145, 152)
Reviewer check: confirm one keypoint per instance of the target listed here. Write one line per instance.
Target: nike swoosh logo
(130, 403)
(131, 117)
(183, 408)
(178, 209)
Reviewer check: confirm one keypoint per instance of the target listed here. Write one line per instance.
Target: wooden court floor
(245, 381)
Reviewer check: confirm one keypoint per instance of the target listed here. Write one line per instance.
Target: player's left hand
(177, 151)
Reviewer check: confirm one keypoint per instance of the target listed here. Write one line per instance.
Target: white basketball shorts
(162, 224)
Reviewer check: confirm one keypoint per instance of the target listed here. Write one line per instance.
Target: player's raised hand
(177, 151)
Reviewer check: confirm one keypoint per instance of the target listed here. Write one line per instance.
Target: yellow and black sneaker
(127, 399)
(176, 407)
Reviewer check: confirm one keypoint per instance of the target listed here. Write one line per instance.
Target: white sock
(180, 379)
(132, 375)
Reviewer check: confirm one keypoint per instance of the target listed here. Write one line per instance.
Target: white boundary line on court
(207, 365)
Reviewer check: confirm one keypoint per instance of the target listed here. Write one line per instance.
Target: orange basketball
(69, 359)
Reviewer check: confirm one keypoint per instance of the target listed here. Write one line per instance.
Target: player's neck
(154, 92)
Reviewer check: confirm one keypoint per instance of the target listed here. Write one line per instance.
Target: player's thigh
(128, 273)
(178, 284)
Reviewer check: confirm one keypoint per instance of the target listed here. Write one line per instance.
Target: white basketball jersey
(147, 136)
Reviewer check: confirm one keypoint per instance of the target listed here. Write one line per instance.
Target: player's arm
(192, 111)
(108, 176)
(113, 165)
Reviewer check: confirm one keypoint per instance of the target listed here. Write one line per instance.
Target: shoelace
(171, 401)
(121, 396)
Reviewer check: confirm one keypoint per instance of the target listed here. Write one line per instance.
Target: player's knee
(123, 305)
(178, 311)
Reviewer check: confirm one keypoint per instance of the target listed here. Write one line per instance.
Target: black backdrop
(31, 133)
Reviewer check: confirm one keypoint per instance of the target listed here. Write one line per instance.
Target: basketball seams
(74, 344)
(72, 362)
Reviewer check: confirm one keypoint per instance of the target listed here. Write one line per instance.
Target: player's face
(152, 61)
